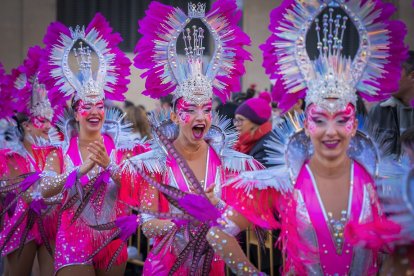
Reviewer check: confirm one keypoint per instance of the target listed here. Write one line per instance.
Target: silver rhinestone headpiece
(40, 104)
(196, 10)
(197, 88)
(90, 90)
(332, 77)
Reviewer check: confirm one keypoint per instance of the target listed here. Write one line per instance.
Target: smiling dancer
(85, 63)
(29, 224)
(330, 219)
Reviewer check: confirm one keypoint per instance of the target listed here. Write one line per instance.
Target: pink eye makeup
(85, 109)
(39, 122)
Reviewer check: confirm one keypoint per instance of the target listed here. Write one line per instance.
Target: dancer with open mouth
(191, 156)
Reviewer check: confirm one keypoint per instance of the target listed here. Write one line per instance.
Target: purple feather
(29, 181)
(127, 225)
(38, 205)
(102, 178)
(200, 208)
(71, 180)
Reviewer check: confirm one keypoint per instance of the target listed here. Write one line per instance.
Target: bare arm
(53, 181)
(222, 239)
(151, 226)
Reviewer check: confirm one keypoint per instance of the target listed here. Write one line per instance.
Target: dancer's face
(330, 133)
(90, 115)
(194, 120)
(38, 127)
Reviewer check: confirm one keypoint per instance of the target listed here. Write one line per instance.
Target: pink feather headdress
(32, 94)
(166, 72)
(10, 102)
(86, 63)
(374, 71)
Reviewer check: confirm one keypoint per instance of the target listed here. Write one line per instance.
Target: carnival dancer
(330, 219)
(28, 221)
(191, 154)
(86, 63)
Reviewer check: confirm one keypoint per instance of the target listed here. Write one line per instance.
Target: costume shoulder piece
(395, 190)
(289, 148)
(222, 137)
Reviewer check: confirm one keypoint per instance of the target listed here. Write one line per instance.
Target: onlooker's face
(330, 133)
(406, 89)
(243, 125)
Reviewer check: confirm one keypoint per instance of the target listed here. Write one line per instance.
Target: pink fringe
(298, 253)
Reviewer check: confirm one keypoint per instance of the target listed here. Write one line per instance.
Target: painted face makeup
(330, 133)
(40, 122)
(319, 117)
(85, 109)
(194, 117)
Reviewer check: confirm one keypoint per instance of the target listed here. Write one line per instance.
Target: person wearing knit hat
(252, 120)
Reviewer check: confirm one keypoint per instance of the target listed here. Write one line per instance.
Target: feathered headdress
(166, 72)
(85, 63)
(9, 102)
(374, 71)
(32, 94)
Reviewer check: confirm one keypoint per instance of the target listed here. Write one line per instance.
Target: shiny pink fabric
(77, 241)
(22, 165)
(161, 263)
(329, 260)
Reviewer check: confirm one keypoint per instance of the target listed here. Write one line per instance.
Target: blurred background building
(23, 23)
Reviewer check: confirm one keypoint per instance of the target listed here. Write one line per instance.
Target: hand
(211, 196)
(86, 166)
(99, 154)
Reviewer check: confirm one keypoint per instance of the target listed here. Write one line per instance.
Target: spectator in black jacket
(393, 116)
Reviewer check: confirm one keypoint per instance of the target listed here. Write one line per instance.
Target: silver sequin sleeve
(52, 183)
(229, 250)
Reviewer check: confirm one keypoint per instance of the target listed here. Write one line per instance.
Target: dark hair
(408, 65)
(407, 138)
(74, 104)
(167, 99)
(21, 118)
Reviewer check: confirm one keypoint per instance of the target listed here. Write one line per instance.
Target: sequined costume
(165, 210)
(99, 71)
(26, 215)
(312, 241)
(81, 206)
(170, 239)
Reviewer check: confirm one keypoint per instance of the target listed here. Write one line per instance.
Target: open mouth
(331, 144)
(198, 131)
(94, 121)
